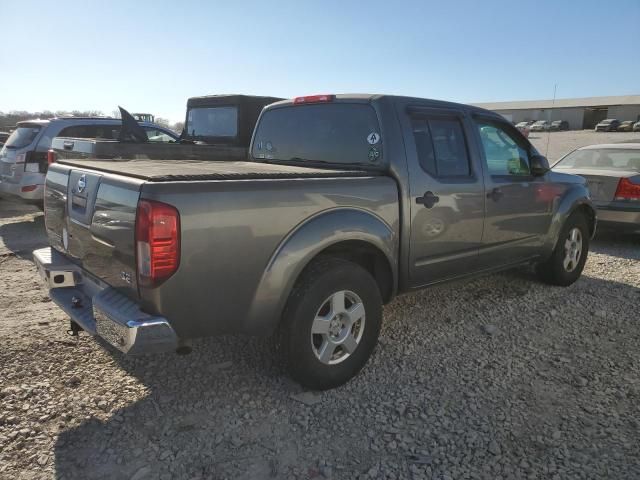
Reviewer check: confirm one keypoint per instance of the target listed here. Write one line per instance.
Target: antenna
(553, 104)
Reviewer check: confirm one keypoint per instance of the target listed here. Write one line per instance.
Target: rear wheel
(331, 323)
(567, 261)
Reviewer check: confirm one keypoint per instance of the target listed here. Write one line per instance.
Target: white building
(579, 112)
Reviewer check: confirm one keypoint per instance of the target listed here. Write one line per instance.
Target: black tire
(553, 270)
(317, 284)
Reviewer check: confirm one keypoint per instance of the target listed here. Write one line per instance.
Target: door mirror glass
(539, 165)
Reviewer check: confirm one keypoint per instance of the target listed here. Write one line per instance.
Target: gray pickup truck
(345, 201)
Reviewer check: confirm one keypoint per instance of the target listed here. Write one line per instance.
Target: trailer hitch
(74, 329)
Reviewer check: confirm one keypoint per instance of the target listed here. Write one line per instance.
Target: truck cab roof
(375, 97)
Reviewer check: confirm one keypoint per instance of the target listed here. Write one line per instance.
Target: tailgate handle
(67, 145)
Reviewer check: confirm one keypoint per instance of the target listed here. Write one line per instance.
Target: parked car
(608, 125)
(23, 158)
(540, 126)
(3, 138)
(523, 124)
(612, 172)
(217, 127)
(626, 126)
(524, 128)
(345, 201)
(636, 127)
(559, 125)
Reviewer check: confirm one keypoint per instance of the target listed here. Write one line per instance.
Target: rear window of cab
(334, 133)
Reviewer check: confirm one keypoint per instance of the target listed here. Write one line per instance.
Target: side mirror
(539, 165)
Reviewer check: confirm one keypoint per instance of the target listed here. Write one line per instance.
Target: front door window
(505, 157)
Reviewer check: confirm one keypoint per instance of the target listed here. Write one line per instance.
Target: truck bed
(186, 170)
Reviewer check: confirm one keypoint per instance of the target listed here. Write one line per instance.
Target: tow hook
(74, 329)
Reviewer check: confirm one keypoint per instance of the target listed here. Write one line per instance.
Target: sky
(150, 56)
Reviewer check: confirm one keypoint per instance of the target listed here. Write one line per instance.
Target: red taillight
(51, 156)
(28, 188)
(627, 190)
(157, 242)
(314, 99)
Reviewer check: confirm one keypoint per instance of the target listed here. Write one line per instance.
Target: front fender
(575, 196)
(302, 245)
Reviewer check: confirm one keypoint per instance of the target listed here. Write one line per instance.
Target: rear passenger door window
(505, 154)
(441, 147)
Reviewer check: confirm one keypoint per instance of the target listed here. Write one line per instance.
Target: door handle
(495, 194)
(428, 199)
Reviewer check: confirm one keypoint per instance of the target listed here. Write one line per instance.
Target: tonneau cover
(182, 170)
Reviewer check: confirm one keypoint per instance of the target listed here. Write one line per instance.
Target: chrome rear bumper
(100, 309)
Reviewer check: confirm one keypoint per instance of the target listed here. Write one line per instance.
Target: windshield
(606, 121)
(336, 133)
(22, 136)
(212, 122)
(541, 122)
(609, 159)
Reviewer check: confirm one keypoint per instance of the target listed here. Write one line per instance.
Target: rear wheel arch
(351, 234)
(366, 255)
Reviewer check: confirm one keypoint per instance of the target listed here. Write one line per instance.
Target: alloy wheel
(338, 327)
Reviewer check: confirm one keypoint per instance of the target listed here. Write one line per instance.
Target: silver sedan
(612, 172)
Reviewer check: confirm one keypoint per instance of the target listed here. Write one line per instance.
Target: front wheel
(331, 323)
(567, 261)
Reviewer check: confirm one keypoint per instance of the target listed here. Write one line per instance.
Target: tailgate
(90, 217)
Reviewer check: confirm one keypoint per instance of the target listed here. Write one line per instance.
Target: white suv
(23, 158)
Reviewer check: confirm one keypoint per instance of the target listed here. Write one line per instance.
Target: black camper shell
(230, 119)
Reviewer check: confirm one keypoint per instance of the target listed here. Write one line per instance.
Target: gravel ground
(497, 378)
